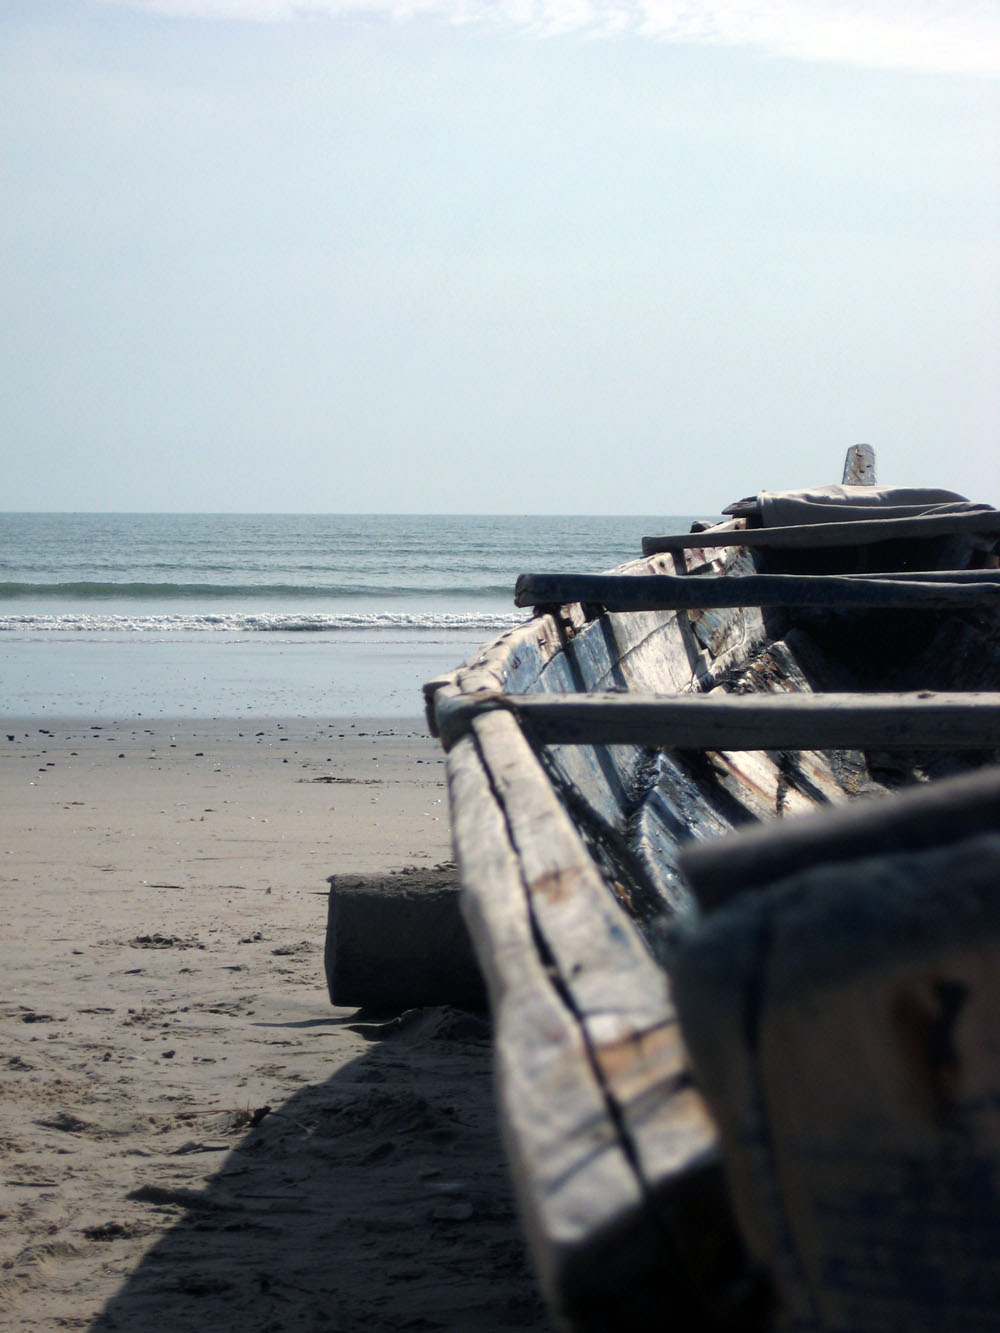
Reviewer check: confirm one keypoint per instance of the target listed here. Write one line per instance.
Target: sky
(494, 256)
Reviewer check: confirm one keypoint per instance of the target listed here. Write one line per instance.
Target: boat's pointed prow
(859, 466)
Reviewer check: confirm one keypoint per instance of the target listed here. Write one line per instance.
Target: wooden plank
(610, 1146)
(723, 721)
(665, 592)
(859, 466)
(580, 1198)
(621, 999)
(844, 1028)
(940, 813)
(616, 987)
(814, 535)
(442, 687)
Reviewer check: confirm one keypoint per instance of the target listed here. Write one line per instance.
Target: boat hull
(571, 859)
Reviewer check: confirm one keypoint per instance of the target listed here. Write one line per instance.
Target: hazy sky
(494, 255)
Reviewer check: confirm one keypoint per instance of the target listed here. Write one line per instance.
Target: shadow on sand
(377, 1200)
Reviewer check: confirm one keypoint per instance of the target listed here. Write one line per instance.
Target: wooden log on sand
(398, 941)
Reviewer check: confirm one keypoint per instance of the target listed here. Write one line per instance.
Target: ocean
(268, 615)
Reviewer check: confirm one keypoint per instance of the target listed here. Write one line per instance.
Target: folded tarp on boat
(827, 504)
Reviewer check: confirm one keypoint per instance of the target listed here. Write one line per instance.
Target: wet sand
(191, 1136)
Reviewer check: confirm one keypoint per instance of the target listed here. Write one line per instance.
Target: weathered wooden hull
(570, 857)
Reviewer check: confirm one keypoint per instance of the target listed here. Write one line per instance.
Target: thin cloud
(932, 35)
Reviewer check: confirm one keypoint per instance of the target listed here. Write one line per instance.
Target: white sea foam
(262, 622)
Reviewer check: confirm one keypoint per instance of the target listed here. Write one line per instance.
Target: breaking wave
(263, 622)
(85, 590)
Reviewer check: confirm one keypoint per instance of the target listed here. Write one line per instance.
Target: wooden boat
(746, 1018)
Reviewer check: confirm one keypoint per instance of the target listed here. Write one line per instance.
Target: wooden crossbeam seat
(933, 815)
(721, 721)
(935, 590)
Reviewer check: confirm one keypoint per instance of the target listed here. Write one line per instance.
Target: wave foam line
(85, 590)
(263, 623)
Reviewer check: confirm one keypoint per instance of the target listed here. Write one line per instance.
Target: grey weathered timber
(573, 1180)
(665, 592)
(720, 721)
(859, 466)
(572, 1069)
(934, 815)
(843, 1026)
(612, 984)
(397, 942)
(816, 535)
(616, 988)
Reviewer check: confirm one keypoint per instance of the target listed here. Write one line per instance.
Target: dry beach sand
(191, 1137)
